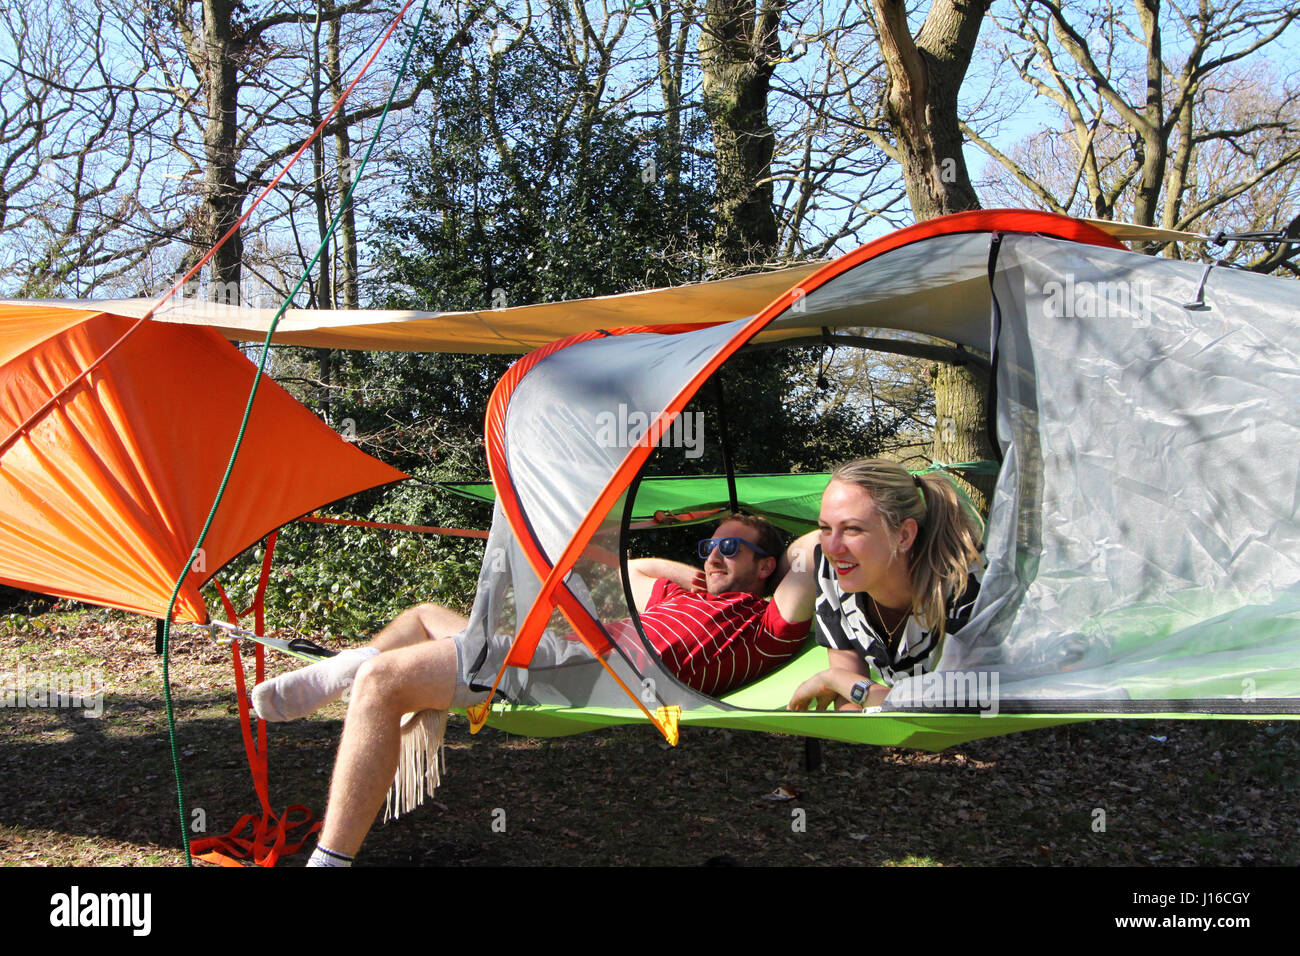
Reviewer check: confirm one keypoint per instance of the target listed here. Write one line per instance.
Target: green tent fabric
(761, 707)
(790, 501)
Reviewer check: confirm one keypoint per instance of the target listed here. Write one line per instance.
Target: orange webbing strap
(662, 518)
(268, 837)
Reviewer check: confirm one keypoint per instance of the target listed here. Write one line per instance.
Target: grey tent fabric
(570, 423)
(938, 286)
(1144, 540)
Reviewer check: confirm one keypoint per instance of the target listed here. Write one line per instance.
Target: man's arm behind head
(642, 574)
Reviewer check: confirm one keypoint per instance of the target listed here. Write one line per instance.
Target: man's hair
(770, 538)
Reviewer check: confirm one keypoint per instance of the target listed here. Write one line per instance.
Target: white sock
(322, 856)
(308, 689)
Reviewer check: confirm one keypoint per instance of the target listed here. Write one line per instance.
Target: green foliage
(526, 190)
(343, 581)
(15, 601)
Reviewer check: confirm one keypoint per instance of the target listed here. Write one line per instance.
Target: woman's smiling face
(865, 553)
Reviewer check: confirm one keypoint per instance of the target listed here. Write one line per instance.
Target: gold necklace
(891, 637)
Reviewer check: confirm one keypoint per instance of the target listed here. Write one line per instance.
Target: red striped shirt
(715, 643)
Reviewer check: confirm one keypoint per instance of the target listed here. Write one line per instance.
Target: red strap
(423, 529)
(268, 836)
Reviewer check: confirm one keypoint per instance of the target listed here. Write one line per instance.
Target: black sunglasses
(730, 547)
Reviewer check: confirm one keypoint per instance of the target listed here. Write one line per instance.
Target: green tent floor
(760, 708)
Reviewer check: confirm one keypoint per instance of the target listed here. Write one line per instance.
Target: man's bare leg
(306, 690)
(403, 680)
(418, 624)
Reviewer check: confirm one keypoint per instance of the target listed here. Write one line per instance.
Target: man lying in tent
(713, 639)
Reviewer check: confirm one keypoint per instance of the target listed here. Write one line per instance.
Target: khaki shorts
(463, 696)
(552, 651)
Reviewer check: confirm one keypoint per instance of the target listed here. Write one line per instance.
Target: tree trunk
(671, 45)
(323, 295)
(738, 49)
(346, 294)
(924, 77)
(962, 425)
(1154, 137)
(223, 196)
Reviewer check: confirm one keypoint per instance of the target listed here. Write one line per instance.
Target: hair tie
(920, 488)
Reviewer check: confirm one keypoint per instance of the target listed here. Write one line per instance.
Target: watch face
(858, 693)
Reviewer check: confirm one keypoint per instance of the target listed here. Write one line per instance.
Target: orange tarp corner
(103, 498)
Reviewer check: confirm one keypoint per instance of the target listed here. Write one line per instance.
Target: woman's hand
(816, 693)
(812, 694)
(831, 685)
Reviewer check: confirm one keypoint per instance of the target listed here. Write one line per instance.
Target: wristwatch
(858, 692)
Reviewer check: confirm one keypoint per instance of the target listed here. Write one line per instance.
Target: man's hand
(643, 572)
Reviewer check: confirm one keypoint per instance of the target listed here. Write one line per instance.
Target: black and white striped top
(843, 625)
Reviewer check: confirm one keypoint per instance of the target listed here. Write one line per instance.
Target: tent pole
(727, 464)
(812, 754)
(995, 244)
(623, 526)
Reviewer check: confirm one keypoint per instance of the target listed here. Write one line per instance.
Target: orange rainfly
(103, 494)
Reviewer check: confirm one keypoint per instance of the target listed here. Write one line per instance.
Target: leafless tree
(76, 168)
(246, 82)
(834, 179)
(1171, 115)
(923, 79)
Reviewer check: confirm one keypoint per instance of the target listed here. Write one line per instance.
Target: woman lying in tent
(894, 559)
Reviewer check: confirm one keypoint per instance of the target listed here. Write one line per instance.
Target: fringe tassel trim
(418, 762)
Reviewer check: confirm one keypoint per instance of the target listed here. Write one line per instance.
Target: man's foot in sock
(308, 689)
(322, 856)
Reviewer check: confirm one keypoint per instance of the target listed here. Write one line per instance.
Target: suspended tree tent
(1141, 547)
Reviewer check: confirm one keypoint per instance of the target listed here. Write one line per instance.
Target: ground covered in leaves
(99, 790)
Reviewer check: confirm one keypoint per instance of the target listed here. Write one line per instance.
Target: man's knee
(438, 621)
(370, 681)
(406, 679)
(380, 676)
(419, 613)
